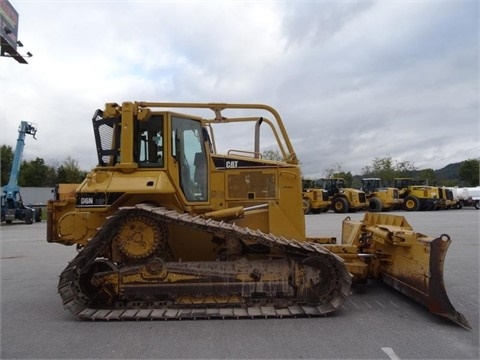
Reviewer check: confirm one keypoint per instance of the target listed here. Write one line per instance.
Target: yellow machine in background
(344, 199)
(168, 225)
(447, 198)
(380, 198)
(315, 199)
(417, 195)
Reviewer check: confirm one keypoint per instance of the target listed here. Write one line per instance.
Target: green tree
(382, 168)
(405, 169)
(70, 173)
(337, 172)
(6, 163)
(36, 173)
(272, 155)
(469, 172)
(331, 172)
(348, 178)
(387, 169)
(429, 175)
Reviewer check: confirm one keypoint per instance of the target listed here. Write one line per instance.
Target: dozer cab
(315, 199)
(417, 195)
(380, 198)
(167, 226)
(344, 199)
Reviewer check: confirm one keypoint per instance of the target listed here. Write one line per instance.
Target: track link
(78, 303)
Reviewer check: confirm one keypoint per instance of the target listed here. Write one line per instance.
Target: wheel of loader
(375, 204)
(411, 203)
(306, 206)
(340, 205)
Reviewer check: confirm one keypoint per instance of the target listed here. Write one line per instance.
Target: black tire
(306, 206)
(28, 216)
(38, 215)
(340, 205)
(477, 206)
(411, 203)
(375, 204)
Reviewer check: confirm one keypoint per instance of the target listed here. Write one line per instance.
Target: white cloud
(353, 80)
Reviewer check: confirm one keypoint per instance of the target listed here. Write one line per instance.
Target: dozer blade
(410, 262)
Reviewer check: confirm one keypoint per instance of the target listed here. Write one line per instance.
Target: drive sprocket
(138, 236)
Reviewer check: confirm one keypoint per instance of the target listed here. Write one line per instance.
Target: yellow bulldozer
(315, 199)
(167, 226)
(380, 198)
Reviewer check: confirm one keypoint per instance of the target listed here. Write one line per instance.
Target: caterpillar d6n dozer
(167, 226)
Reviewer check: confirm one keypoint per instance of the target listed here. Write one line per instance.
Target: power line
(475, 149)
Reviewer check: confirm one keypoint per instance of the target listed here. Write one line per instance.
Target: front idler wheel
(92, 292)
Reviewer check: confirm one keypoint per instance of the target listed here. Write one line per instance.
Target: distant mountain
(449, 172)
(446, 176)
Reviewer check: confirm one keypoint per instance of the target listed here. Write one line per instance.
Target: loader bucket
(410, 262)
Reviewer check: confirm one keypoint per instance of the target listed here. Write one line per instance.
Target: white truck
(467, 196)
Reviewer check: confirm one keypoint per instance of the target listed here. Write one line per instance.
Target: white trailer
(467, 196)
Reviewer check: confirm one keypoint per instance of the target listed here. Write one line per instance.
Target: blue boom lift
(11, 200)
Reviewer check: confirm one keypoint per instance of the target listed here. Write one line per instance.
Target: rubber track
(75, 301)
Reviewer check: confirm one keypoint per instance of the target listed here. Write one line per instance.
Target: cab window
(149, 147)
(188, 148)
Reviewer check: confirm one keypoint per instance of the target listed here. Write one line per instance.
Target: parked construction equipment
(168, 225)
(447, 199)
(344, 199)
(12, 204)
(380, 198)
(416, 195)
(315, 199)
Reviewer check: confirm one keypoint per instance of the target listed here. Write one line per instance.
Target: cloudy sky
(352, 80)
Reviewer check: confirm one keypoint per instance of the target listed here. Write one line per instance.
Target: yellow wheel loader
(344, 199)
(380, 198)
(417, 195)
(170, 225)
(315, 199)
